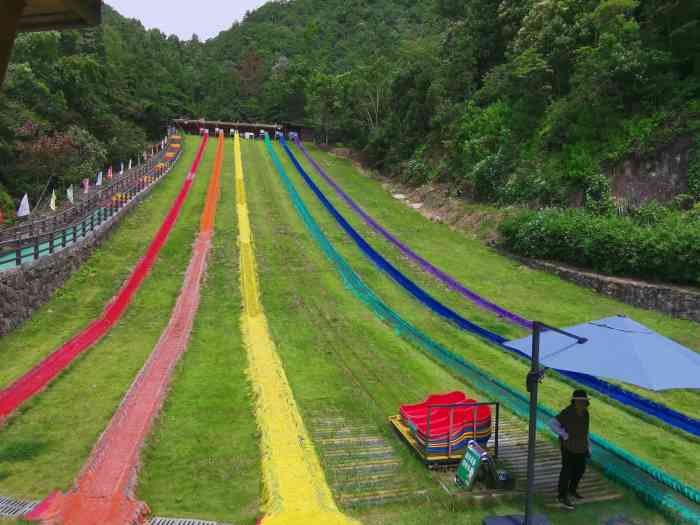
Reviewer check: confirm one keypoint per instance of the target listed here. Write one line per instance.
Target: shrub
(7, 206)
(694, 170)
(486, 148)
(650, 213)
(665, 250)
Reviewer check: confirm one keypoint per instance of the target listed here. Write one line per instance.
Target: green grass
(203, 458)
(45, 445)
(530, 293)
(87, 291)
(340, 359)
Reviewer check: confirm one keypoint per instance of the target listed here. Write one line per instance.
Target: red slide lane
(42, 374)
(103, 493)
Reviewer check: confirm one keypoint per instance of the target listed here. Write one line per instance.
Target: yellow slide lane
(295, 486)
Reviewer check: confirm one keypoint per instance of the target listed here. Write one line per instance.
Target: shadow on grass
(21, 451)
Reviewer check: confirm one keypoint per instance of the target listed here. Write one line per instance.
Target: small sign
(469, 466)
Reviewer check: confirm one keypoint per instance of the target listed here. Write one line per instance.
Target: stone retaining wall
(673, 300)
(24, 289)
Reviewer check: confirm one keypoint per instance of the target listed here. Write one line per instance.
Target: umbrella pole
(533, 380)
(534, 377)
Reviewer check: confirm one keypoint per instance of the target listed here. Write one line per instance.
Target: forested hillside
(510, 101)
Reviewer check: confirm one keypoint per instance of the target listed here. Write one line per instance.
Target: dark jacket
(577, 428)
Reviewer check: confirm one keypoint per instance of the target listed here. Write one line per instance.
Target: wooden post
(9, 21)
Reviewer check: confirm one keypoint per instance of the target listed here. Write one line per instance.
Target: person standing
(572, 425)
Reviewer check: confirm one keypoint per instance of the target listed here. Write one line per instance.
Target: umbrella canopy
(621, 349)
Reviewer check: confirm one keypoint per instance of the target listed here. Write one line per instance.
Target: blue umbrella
(621, 349)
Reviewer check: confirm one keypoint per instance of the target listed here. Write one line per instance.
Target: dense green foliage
(510, 101)
(655, 243)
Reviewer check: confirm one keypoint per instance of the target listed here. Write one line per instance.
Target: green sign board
(469, 466)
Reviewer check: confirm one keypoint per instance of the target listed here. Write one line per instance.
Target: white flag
(23, 207)
(129, 163)
(99, 179)
(52, 204)
(122, 170)
(69, 193)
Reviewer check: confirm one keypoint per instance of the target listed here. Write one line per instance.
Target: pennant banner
(23, 210)
(52, 204)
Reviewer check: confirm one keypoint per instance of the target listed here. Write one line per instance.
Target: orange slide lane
(103, 494)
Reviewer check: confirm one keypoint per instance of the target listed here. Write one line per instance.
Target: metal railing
(47, 236)
(82, 207)
(452, 408)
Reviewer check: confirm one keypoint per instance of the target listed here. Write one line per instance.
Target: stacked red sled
(454, 421)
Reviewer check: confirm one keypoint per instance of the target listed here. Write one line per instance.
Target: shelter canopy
(43, 15)
(619, 348)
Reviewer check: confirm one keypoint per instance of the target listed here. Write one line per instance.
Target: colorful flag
(99, 179)
(109, 173)
(69, 193)
(23, 210)
(2, 218)
(52, 204)
(86, 185)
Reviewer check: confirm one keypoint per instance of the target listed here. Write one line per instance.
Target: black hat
(580, 394)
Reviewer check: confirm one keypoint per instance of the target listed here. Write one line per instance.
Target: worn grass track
(43, 447)
(340, 359)
(675, 452)
(202, 459)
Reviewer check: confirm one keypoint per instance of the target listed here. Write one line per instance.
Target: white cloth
(558, 429)
(23, 210)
